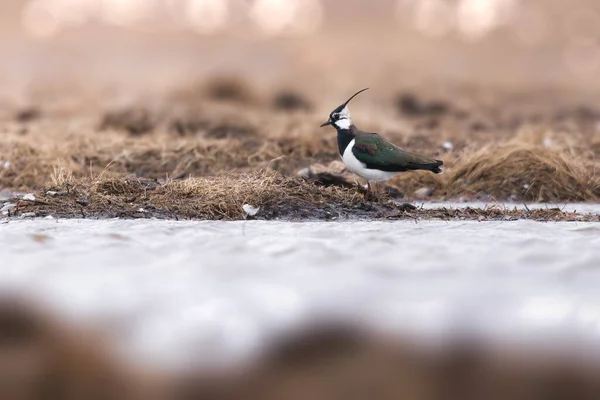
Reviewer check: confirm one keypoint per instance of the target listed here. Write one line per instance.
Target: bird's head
(340, 117)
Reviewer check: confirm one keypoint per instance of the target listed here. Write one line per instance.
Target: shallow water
(162, 288)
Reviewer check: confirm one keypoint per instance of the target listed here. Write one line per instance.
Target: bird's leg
(370, 194)
(365, 190)
(374, 191)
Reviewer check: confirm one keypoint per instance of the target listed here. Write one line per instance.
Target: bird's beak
(326, 123)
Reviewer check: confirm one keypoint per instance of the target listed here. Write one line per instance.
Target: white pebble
(448, 145)
(29, 196)
(250, 210)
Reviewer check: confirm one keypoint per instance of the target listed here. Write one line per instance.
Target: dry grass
(521, 172)
(224, 197)
(275, 194)
(220, 197)
(230, 139)
(61, 177)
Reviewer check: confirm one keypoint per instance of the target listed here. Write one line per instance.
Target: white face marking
(344, 120)
(343, 123)
(361, 169)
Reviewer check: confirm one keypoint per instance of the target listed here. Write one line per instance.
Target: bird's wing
(377, 153)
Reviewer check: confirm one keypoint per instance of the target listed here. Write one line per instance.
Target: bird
(369, 155)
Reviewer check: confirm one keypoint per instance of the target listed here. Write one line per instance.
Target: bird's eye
(333, 116)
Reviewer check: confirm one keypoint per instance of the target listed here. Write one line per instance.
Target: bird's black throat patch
(344, 137)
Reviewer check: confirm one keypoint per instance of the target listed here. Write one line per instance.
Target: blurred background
(324, 45)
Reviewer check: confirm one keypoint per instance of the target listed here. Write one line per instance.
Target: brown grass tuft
(61, 177)
(522, 172)
(223, 197)
(123, 187)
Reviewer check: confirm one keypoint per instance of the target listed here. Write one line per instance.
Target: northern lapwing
(370, 156)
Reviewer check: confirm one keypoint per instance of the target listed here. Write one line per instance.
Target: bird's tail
(427, 165)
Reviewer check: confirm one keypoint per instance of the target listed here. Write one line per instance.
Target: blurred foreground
(428, 310)
(43, 360)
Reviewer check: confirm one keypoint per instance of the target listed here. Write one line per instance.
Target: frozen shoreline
(222, 288)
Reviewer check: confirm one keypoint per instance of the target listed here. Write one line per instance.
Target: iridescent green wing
(377, 153)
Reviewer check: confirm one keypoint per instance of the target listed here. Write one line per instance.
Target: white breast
(360, 169)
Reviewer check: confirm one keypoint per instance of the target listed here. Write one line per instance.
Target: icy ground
(162, 288)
